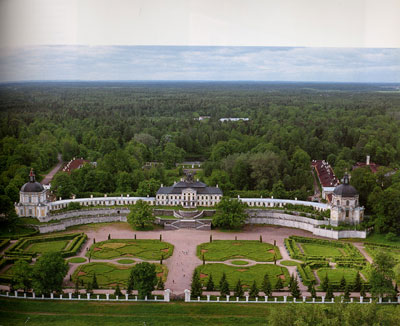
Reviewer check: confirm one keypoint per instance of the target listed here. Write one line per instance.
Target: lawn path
(360, 247)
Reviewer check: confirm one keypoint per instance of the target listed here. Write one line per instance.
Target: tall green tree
(266, 286)
(230, 214)
(22, 275)
(254, 290)
(144, 278)
(140, 215)
(48, 273)
(239, 292)
(382, 275)
(196, 287)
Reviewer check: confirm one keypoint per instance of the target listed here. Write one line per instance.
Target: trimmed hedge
(306, 274)
(4, 243)
(295, 253)
(18, 248)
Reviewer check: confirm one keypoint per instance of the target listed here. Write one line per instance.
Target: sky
(286, 40)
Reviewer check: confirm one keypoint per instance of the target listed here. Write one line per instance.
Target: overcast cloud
(200, 63)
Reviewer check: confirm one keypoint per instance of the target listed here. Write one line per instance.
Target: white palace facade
(188, 194)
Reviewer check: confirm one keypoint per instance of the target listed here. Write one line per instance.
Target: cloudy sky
(286, 40)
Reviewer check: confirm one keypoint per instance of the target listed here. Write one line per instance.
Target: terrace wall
(301, 222)
(79, 221)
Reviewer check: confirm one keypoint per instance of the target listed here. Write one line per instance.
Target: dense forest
(122, 125)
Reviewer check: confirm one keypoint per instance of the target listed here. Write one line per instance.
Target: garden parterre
(221, 250)
(246, 274)
(317, 255)
(124, 248)
(108, 275)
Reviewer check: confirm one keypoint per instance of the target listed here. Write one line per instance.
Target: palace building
(344, 206)
(189, 194)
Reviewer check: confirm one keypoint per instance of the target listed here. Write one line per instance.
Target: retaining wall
(85, 212)
(301, 222)
(79, 221)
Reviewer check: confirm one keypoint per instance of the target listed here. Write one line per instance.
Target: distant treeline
(122, 125)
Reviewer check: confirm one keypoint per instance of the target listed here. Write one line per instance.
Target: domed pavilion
(32, 199)
(345, 205)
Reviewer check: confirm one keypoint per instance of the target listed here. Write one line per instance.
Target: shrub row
(75, 246)
(19, 236)
(306, 274)
(353, 253)
(4, 243)
(383, 245)
(17, 249)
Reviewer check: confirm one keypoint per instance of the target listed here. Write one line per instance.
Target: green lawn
(109, 275)
(51, 313)
(126, 261)
(246, 274)
(220, 250)
(77, 260)
(118, 248)
(18, 231)
(381, 238)
(394, 252)
(288, 263)
(335, 275)
(240, 262)
(47, 246)
(314, 249)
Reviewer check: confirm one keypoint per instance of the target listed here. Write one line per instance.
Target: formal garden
(110, 275)
(67, 244)
(328, 261)
(246, 275)
(125, 248)
(221, 250)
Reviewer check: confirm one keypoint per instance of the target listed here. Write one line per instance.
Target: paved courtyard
(184, 260)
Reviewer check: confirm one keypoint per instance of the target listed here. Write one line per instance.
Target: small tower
(32, 199)
(345, 205)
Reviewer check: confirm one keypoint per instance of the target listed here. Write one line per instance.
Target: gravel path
(47, 179)
(360, 247)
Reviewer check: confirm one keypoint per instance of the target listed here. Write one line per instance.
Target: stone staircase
(188, 214)
(188, 224)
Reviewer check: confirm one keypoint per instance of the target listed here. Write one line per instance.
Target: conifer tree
(291, 280)
(342, 283)
(325, 283)
(76, 287)
(210, 284)
(279, 284)
(160, 284)
(254, 290)
(346, 294)
(313, 292)
(131, 283)
(94, 282)
(196, 288)
(294, 288)
(362, 290)
(89, 288)
(222, 280)
(224, 288)
(329, 293)
(310, 286)
(357, 283)
(266, 286)
(239, 292)
(117, 291)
